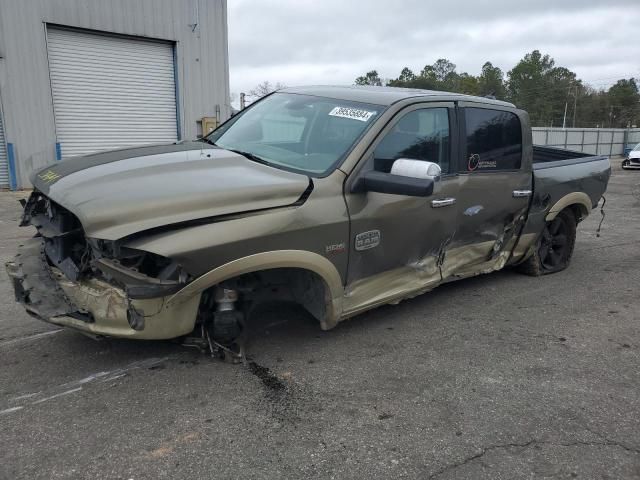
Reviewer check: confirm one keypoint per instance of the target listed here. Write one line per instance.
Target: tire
(625, 164)
(554, 248)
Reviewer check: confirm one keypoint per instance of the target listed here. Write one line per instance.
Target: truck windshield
(303, 133)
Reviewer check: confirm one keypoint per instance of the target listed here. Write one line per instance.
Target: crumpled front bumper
(93, 305)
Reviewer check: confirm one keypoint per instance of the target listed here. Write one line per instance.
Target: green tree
(370, 78)
(538, 86)
(491, 82)
(427, 79)
(406, 79)
(591, 107)
(535, 84)
(624, 103)
(467, 84)
(444, 70)
(441, 75)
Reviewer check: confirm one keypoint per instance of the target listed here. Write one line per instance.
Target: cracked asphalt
(501, 376)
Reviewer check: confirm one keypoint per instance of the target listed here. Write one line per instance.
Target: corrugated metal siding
(110, 92)
(201, 52)
(4, 167)
(601, 141)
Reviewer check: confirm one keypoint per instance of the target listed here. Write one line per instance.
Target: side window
(494, 140)
(419, 135)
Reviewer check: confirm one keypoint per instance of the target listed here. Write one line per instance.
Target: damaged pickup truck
(338, 198)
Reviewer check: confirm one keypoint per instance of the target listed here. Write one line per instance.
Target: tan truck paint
(220, 217)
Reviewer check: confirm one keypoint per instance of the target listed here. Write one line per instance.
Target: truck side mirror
(414, 178)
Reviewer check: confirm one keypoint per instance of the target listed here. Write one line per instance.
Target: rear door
(495, 178)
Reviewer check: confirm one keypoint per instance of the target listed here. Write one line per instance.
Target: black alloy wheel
(554, 245)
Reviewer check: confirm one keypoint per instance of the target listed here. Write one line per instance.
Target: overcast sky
(303, 42)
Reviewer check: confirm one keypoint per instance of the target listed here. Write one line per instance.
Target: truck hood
(122, 192)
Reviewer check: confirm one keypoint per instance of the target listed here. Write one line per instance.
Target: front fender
(269, 260)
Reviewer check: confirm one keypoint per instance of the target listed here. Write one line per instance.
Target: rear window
(494, 140)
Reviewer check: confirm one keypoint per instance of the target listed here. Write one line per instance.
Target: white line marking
(26, 395)
(101, 376)
(30, 337)
(88, 379)
(115, 377)
(9, 410)
(57, 395)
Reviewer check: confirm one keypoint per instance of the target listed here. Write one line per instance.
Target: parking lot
(498, 376)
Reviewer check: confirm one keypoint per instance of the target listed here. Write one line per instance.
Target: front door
(495, 188)
(397, 241)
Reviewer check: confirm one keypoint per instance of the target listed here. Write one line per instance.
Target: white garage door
(4, 169)
(110, 92)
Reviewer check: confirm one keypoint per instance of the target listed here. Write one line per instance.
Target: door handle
(521, 193)
(443, 202)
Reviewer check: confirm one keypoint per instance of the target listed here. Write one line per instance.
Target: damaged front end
(96, 286)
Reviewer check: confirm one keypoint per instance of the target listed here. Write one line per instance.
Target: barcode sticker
(352, 113)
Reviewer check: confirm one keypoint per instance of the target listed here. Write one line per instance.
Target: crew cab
(338, 198)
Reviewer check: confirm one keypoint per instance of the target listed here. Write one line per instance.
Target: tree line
(552, 94)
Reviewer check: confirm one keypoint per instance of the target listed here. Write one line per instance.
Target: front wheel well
(290, 284)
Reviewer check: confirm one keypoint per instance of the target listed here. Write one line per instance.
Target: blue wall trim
(58, 151)
(11, 157)
(175, 82)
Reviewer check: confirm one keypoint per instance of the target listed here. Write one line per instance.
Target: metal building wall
(199, 28)
(598, 141)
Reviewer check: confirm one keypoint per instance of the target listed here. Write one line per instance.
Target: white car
(633, 159)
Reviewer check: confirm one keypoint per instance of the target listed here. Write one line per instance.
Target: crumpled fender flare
(275, 259)
(574, 198)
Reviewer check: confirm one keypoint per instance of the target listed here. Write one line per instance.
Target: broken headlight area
(141, 274)
(64, 242)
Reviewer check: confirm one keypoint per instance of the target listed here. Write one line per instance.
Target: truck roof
(386, 95)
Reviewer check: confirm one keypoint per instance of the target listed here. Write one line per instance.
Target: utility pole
(575, 106)
(566, 105)
(242, 101)
(610, 115)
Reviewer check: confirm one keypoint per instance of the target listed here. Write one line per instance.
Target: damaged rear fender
(578, 199)
(301, 259)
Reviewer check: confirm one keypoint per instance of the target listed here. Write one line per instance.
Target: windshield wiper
(250, 156)
(206, 140)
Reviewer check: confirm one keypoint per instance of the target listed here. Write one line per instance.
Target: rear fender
(579, 199)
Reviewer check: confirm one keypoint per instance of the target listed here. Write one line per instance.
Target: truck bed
(546, 157)
(558, 173)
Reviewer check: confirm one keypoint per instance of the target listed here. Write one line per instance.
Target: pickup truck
(338, 198)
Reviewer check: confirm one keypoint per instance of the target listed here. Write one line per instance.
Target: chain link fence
(598, 141)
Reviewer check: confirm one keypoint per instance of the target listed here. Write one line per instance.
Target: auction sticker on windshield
(352, 113)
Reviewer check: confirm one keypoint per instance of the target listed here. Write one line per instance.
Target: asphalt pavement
(500, 376)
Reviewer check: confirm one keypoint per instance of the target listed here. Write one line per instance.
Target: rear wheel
(554, 248)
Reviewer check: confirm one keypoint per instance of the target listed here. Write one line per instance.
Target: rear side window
(494, 140)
